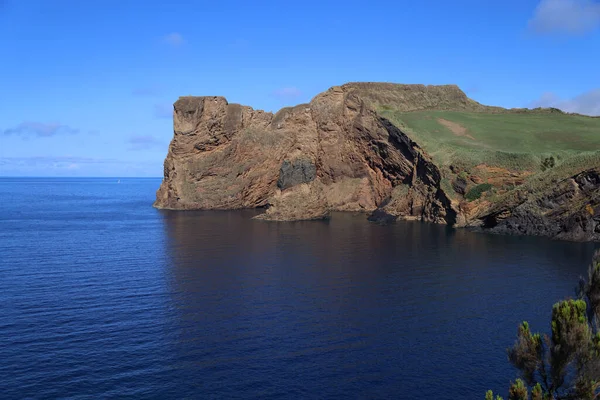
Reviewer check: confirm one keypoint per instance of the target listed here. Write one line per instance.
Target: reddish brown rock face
(338, 154)
(333, 154)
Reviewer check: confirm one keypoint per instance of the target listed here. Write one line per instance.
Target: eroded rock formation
(568, 210)
(337, 153)
(333, 154)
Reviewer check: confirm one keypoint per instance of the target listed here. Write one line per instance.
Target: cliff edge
(340, 152)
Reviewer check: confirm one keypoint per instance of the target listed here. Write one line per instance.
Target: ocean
(103, 296)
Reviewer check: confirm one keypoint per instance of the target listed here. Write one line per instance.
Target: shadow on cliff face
(425, 179)
(568, 209)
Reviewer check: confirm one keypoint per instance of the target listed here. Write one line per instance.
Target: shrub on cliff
(477, 191)
(547, 163)
(566, 364)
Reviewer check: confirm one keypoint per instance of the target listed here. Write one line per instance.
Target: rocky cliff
(568, 209)
(338, 153)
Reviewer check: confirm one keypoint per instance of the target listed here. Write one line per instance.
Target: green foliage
(489, 395)
(568, 167)
(565, 365)
(567, 316)
(547, 163)
(551, 146)
(590, 291)
(518, 391)
(533, 133)
(570, 336)
(536, 392)
(477, 191)
(527, 352)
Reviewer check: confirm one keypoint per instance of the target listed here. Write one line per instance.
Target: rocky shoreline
(337, 153)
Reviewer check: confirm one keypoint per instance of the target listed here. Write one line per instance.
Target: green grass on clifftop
(515, 141)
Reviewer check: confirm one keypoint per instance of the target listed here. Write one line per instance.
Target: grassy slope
(508, 140)
(513, 141)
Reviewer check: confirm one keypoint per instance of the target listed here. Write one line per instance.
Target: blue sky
(86, 86)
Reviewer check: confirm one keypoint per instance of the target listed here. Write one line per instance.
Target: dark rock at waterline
(381, 217)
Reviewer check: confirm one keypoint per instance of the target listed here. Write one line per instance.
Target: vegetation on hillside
(565, 364)
(508, 150)
(509, 140)
(477, 191)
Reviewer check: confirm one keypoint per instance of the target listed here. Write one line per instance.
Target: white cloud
(150, 91)
(64, 161)
(40, 129)
(587, 103)
(572, 17)
(145, 142)
(173, 39)
(78, 166)
(287, 92)
(163, 110)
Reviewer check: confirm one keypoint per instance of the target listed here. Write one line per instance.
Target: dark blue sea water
(103, 296)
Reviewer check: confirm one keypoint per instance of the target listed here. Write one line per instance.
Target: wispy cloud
(572, 17)
(473, 89)
(144, 142)
(40, 129)
(150, 91)
(59, 162)
(77, 166)
(164, 110)
(289, 92)
(173, 39)
(587, 103)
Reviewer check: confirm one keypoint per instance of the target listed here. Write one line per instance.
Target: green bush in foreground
(565, 365)
(547, 163)
(477, 191)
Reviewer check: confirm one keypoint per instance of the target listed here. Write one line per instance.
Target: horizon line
(87, 177)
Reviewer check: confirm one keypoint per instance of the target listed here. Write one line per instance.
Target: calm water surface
(103, 296)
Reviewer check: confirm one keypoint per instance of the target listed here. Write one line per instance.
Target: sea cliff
(392, 151)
